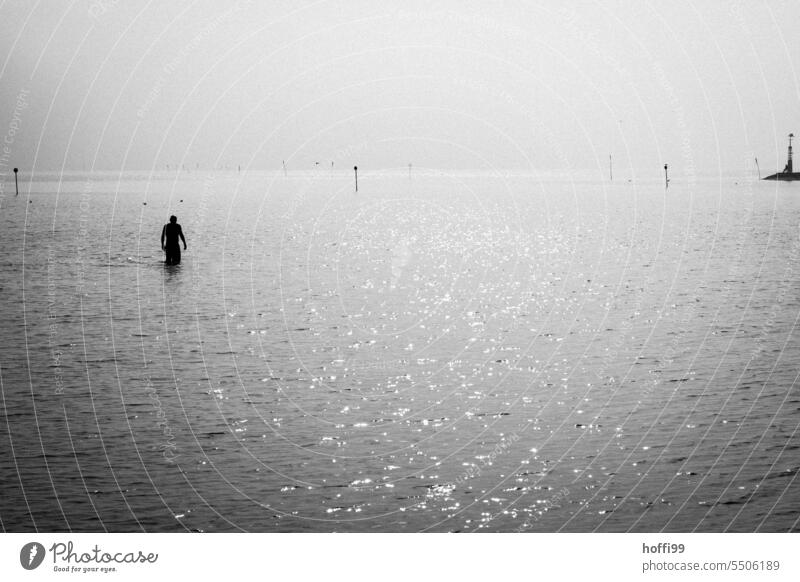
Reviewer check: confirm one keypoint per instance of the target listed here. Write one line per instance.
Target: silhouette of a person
(172, 234)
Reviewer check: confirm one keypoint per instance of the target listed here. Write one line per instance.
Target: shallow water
(442, 353)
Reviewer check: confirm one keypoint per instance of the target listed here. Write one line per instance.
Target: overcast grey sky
(705, 86)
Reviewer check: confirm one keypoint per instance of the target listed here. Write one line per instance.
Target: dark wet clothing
(173, 255)
(173, 234)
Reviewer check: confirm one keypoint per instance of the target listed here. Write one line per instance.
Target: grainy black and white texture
(513, 325)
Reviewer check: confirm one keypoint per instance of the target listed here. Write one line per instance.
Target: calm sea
(436, 353)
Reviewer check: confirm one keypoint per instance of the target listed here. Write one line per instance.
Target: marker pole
(16, 184)
(666, 176)
(355, 169)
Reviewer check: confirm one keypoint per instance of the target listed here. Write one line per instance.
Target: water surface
(444, 353)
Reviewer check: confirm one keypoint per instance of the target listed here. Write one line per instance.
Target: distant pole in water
(240, 168)
(284, 168)
(610, 169)
(758, 169)
(15, 180)
(355, 169)
(666, 176)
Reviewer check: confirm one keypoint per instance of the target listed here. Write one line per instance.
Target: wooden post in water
(16, 184)
(666, 176)
(610, 169)
(758, 169)
(355, 169)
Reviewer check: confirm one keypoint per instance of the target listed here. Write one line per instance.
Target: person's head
(173, 219)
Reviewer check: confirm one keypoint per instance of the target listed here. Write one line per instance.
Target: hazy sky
(705, 86)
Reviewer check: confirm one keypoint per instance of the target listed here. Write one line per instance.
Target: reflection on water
(442, 354)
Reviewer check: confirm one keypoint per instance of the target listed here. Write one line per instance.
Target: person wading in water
(172, 233)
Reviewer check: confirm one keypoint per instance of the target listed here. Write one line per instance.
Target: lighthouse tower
(788, 168)
(788, 174)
